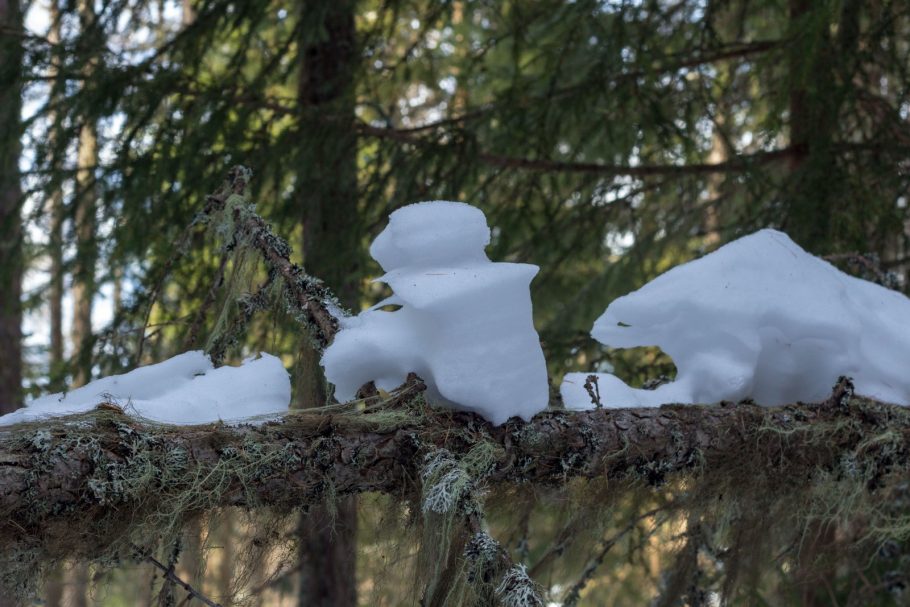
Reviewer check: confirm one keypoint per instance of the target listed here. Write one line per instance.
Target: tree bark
(54, 582)
(10, 203)
(86, 247)
(57, 214)
(84, 266)
(84, 287)
(54, 485)
(327, 191)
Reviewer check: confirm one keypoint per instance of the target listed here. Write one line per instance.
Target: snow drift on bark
(759, 318)
(464, 325)
(185, 390)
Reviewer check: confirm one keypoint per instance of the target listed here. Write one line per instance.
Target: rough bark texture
(55, 482)
(10, 201)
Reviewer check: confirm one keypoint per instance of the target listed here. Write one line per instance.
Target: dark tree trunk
(57, 213)
(327, 191)
(816, 94)
(10, 202)
(820, 70)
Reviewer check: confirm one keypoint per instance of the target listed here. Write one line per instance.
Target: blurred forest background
(605, 140)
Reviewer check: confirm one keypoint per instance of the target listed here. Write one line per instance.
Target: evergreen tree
(605, 141)
(11, 249)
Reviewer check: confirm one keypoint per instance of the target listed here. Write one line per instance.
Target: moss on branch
(91, 486)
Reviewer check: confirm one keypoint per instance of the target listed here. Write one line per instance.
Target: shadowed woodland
(207, 174)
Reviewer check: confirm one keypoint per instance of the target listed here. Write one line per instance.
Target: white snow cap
(464, 325)
(185, 390)
(759, 318)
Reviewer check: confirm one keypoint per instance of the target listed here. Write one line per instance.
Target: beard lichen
(797, 499)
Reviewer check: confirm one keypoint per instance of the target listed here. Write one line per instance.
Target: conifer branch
(309, 297)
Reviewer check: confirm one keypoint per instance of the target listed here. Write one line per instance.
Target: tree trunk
(53, 587)
(86, 247)
(327, 190)
(57, 214)
(85, 201)
(726, 24)
(56, 363)
(86, 251)
(191, 566)
(10, 202)
(815, 96)
(817, 64)
(799, 116)
(227, 535)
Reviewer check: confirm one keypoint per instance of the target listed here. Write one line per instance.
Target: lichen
(518, 590)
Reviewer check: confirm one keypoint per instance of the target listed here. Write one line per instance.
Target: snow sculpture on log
(759, 318)
(184, 390)
(464, 325)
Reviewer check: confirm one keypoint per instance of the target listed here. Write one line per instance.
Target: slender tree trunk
(54, 581)
(819, 65)
(720, 152)
(727, 22)
(57, 214)
(190, 567)
(227, 534)
(85, 200)
(10, 202)
(56, 293)
(84, 267)
(86, 248)
(332, 240)
(815, 98)
(799, 118)
(188, 12)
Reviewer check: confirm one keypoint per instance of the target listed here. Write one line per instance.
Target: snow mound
(464, 325)
(185, 390)
(759, 318)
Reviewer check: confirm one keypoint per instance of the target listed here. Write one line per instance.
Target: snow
(185, 390)
(759, 318)
(464, 325)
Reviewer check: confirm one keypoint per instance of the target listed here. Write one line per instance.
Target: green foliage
(605, 141)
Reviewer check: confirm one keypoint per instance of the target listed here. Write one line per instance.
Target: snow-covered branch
(78, 473)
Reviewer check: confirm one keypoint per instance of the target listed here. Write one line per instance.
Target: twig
(842, 393)
(307, 294)
(210, 297)
(593, 389)
(179, 248)
(174, 578)
(574, 593)
(867, 266)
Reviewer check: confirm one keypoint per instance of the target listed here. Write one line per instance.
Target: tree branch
(174, 578)
(737, 164)
(65, 475)
(307, 294)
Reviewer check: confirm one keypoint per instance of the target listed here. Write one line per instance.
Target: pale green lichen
(517, 589)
